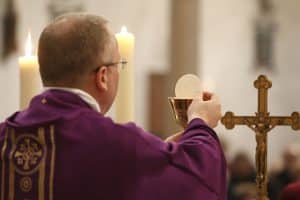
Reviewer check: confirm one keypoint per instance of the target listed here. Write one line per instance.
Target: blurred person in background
(288, 173)
(242, 178)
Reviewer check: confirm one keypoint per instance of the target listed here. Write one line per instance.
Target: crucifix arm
(229, 120)
(293, 121)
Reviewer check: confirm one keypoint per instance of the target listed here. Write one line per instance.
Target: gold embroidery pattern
(41, 179)
(51, 192)
(3, 165)
(27, 169)
(28, 154)
(26, 184)
(11, 178)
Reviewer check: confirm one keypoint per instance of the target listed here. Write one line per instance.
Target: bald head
(71, 47)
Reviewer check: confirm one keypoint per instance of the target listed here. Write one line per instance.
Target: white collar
(91, 101)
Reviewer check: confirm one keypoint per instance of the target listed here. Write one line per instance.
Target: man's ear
(102, 79)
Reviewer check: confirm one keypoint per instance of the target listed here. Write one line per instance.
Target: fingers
(207, 96)
(215, 98)
(208, 108)
(210, 96)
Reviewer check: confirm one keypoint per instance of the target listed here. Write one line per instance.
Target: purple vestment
(59, 148)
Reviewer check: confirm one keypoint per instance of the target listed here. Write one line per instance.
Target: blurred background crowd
(241, 174)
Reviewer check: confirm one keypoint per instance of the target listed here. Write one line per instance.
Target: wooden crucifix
(261, 124)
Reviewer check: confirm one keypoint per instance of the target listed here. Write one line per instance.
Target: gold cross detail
(28, 154)
(261, 124)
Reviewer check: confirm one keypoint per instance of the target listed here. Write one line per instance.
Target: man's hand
(208, 108)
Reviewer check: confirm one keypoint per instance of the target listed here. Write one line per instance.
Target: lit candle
(30, 83)
(124, 103)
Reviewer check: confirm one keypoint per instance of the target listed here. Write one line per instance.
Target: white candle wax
(30, 83)
(125, 97)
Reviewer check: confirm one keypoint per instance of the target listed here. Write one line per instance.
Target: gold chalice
(179, 107)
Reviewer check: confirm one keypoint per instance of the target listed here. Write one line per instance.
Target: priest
(64, 147)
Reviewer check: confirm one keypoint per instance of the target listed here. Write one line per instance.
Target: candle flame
(124, 29)
(28, 45)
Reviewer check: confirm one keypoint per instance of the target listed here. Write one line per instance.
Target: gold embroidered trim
(11, 192)
(52, 163)
(41, 189)
(26, 184)
(3, 165)
(28, 154)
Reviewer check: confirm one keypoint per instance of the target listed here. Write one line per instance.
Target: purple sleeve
(1, 129)
(200, 152)
(197, 153)
(2, 135)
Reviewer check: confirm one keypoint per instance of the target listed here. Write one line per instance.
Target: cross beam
(261, 124)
